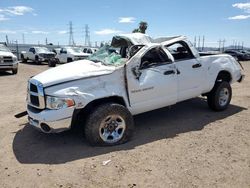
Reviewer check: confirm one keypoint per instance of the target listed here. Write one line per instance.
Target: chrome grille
(7, 59)
(35, 95)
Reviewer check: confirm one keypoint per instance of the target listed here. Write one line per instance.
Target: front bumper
(50, 121)
(8, 66)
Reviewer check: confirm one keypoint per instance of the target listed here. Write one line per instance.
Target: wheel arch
(80, 115)
(224, 76)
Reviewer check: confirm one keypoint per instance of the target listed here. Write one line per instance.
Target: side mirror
(34, 52)
(145, 64)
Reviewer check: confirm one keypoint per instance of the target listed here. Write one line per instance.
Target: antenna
(87, 36)
(71, 39)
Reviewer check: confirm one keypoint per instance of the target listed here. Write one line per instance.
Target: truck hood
(72, 71)
(7, 54)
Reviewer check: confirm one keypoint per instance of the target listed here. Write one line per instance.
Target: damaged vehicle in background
(39, 55)
(238, 55)
(8, 61)
(135, 74)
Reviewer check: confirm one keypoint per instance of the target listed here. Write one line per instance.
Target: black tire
(37, 60)
(104, 115)
(14, 71)
(52, 63)
(214, 99)
(23, 59)
(69, 60)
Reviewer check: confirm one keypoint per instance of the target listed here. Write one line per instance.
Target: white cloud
(62, 32)
(40, 32)
(17, 10)
(243, 6)
(239, 17)
(7, 31)
(126, 20)
(3, 18)
(107, 32)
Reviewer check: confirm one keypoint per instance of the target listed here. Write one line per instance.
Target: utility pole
(7, 39)
(223, 44)
(71, 39)
(87, 36)
(219, 44)
(203, 41)
(23, 38)
(195, 41)
(46, 41)
(199, 40)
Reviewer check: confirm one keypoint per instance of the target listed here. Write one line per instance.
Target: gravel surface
(186, 145)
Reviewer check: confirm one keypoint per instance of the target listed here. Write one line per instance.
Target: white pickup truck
(69, 54)
(8, 61)
(38, 55)
(134, 75)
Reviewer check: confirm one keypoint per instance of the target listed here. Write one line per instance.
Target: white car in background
(69, 54)
(89, 50)
(8, 61)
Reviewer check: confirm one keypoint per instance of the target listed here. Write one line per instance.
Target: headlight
(14, 58)
(58, 103)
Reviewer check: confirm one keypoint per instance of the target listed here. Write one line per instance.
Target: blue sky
(40, 19)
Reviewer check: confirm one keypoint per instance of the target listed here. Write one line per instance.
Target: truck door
(153, 84)
(190, 71)
(31, 54)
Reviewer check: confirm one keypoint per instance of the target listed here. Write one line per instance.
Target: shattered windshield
(108, 55)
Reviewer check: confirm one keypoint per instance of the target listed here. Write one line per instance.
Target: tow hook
(21, 114)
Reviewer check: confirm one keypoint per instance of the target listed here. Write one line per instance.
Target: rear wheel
(69, 60)
(219, 98)
(109, 124)
(23, 59)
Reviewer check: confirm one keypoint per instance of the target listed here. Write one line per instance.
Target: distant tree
(142, 28)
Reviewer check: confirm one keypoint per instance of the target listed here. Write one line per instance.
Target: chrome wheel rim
(224, 97)
(112, 128)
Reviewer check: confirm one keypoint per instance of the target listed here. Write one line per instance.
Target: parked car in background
(8, 61)
(89, 50)
(246, 53)
(39, 55)
(69, 54)
(237, 55)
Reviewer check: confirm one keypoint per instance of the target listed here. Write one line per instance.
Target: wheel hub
(112, 128)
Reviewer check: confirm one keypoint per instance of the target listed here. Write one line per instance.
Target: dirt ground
(187, 145)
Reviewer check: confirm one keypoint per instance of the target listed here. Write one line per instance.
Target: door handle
(169, 72)
(196, 65)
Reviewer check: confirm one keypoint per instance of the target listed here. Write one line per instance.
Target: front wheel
(14, 71)
(219, 98)
(109, 124)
